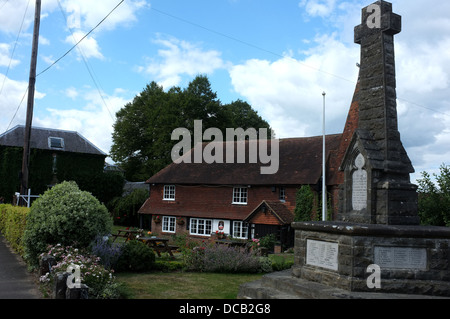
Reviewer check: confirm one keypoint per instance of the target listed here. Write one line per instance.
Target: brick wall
(212, 201)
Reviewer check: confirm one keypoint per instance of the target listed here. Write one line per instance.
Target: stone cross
(376, 155)
(378, 106)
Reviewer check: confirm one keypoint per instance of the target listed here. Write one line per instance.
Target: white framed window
(201, 227)
(56, 142)
(240, 195)
(168, 224)
(169, 192)
(240, 230)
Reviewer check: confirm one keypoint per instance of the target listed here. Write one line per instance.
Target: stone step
(282, 285)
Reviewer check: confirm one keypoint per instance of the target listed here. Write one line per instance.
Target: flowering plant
(157, 219)
(93, 274)
(220, 234)
(180, 220)
(255, 243)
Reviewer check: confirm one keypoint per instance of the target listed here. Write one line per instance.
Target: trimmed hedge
(12, 225)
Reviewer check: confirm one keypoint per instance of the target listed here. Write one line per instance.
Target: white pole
(29, 197)
(324, 187)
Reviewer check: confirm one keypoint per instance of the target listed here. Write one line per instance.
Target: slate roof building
(51, 140)
(56, 155)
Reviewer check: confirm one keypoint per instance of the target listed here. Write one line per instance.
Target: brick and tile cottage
(200, 199)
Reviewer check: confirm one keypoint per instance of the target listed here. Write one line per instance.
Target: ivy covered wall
(85, 169)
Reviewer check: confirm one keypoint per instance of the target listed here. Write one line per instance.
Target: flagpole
(324, 187)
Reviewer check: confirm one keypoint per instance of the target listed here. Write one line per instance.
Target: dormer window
(56, 142)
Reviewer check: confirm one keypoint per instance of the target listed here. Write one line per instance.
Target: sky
(279, 56)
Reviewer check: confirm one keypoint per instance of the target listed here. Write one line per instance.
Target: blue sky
(277, 55)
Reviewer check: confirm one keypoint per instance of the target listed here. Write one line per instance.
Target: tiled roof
(300, 162)
(277, 208)
(72, 141)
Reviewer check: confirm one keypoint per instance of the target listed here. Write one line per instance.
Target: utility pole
(30, 103)
(324, 185)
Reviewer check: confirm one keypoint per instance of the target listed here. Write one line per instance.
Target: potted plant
(180, 220)
(157, 219)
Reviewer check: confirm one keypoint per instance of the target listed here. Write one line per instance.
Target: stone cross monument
(376, 247)
(377, 226)
(377, 188)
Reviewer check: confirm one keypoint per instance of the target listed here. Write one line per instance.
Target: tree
(142, 132)
(304, 204)
(434, 200)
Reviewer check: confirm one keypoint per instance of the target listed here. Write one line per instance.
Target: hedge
(12, 225)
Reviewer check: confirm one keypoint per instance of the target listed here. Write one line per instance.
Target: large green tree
(142, 132)
(434, 198)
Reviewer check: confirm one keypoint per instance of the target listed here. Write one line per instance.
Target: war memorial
(376, 248)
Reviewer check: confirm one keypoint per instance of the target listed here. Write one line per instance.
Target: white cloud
(89, 46)
(71, 92)
(94, 120)
(288, 92)
(179, 58)
(5, 56)
(86, 14)
(13, 102)
(320, 8)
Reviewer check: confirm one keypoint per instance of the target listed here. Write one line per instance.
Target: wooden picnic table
(127, 233)
(159, 245)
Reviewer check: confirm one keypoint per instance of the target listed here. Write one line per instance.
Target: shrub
(108, 252)
(304, 203)
(100, 281)
(64, 215)
(268, 241)
(12, 225)
(222, 259)
(136, 257)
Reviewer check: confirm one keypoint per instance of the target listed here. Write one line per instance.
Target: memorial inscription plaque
(400, 257)
(359, 185)
(322, 254)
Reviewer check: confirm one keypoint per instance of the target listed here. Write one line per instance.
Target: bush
(12, 225)
(108, 252)
(136, 257)
(100, 281)
(125, 208)
(268, 241)
(222, 259)
(64, 215)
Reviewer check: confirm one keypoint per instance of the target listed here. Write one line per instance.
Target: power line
(277, 54)
(85, 36)
(85, 60)
(17, 109)
(59, 59)
(15, 45)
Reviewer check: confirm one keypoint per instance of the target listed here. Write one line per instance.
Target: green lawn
(184, 285)
(187, 285)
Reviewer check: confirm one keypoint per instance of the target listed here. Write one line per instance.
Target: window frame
(60, 139)
(168, 195)
(240, 228)
(238, 194)
(206, 224)
(282, 194)
(168, 224)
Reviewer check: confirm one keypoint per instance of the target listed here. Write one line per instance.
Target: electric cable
(84, 37)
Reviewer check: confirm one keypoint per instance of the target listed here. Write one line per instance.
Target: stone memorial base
(411, 259)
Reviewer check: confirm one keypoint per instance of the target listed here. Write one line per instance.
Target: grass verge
(183, 285)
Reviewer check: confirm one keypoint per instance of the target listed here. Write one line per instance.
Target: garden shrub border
(12, 225)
